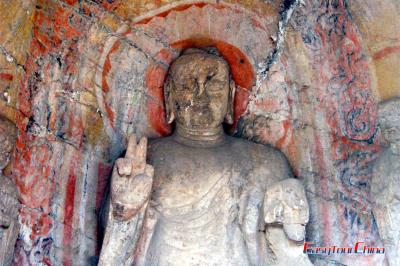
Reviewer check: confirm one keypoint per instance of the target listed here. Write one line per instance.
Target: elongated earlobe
(230, 111)
(169, 108)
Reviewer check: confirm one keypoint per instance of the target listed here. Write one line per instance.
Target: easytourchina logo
(358, 248)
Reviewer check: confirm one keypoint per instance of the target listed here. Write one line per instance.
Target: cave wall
(77, 77)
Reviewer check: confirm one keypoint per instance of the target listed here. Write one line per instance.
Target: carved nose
(201, 94)
(200, 88)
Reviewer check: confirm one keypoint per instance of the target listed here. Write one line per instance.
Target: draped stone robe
(207, 204)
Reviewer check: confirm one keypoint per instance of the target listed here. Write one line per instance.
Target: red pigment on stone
(62, 19)
(107, 67)
(6, 76)
(386, 51)
(106, 70)
(154, 78)
(257, 24)
(240, 104)
(111, 5)
(69, 212)
(75, 129)
(187, 6)
(178, 8)
(55, 31)
(281, 141)
(71, 2)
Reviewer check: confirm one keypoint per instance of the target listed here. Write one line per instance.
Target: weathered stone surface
(379, 26)
(285, 203)
(9, 205)
(205, 205)
(385, 186)
(94, 75)
(15, 32)
(317, 105)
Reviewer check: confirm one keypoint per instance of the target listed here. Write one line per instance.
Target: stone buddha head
(199, 91)
(8, 135)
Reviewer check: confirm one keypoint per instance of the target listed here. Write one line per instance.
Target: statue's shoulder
(158, 144)
(265, 159)
(259, 152)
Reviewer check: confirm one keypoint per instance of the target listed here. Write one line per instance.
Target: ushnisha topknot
(206, 50)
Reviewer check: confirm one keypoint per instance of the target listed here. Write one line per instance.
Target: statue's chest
(191, 181)
(195, 210)
(198, 198)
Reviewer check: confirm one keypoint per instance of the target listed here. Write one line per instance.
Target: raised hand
(285, 203)
(132, 180)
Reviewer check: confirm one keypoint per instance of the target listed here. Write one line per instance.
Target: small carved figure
(9, 205)
(205, 198)
(385, 186)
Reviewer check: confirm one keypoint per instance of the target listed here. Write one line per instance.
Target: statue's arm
(131, 186)
(286, 213)
(285, 203)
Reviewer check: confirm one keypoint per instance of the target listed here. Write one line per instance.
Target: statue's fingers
(132, 147)
(141, 150)
(295, 232)
(139, 162)
(149, 170)
(124, 166)
(141, 185)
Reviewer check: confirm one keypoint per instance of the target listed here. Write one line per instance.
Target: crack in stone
(40, 131)
(91, 2)
(286, 12)
(96, 20)
(75, 99)
(11, 59)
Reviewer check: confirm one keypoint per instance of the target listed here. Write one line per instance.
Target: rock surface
(9, 204)
(78, 77)
(385, 186)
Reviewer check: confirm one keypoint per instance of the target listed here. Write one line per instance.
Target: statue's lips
(200, 108)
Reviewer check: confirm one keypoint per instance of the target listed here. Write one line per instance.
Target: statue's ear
(169, 108)
(231, 98)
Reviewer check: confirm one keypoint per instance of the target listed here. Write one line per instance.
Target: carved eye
(183, 87)
(215, 85)
(209, 77)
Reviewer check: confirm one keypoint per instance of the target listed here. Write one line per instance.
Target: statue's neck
(199, 137)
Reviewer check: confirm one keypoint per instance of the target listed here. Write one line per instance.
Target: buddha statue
(199, 196)
(385, 185)
(9, 205)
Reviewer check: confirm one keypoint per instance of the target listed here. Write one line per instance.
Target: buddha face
(199, 92)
